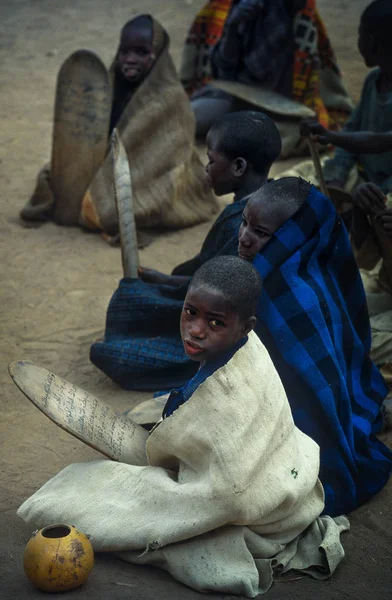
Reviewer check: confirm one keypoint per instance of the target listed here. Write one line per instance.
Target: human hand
(244, 11)
(369, 198)
(335, 184)
(152, 276)
(386, 220)
(313, 129)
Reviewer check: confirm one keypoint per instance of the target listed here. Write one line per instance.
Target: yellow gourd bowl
(58, 558)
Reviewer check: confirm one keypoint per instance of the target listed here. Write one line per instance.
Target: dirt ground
(56, 284)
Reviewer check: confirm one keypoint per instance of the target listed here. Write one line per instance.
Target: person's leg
(209, 103)
(206, 110)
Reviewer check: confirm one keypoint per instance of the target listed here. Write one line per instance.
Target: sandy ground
(56, 284)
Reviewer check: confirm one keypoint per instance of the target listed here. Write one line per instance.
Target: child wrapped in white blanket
(230, 496)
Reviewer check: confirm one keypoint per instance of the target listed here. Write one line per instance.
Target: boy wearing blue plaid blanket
(313, 320)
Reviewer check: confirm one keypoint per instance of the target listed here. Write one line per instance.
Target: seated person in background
(371, 237)
(313, 320)
(225, 468)
(142, 347)
(146, 103)
(276, 45)
(241, 148)
(374, 111)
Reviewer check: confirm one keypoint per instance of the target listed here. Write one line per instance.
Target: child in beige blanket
(229, 497)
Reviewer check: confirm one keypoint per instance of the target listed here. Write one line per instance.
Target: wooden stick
(126, 219)
(317, 166)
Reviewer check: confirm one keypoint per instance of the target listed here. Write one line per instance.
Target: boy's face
(218, 170)
(135, 54)
(209, 325)
(223, 173)
(260, 220)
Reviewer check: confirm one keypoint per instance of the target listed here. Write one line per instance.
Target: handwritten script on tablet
(92, 421)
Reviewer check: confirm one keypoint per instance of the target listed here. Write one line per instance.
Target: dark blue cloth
(313, 319)
(265, 48)
(142, 347)
(222, 239)
(179, 397)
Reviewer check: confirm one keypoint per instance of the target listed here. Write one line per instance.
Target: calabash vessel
(58, 558)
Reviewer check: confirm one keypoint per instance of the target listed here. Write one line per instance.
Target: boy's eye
(190, 312)
(139, 51)
(244, 222)
(217, 323)
(260, 233)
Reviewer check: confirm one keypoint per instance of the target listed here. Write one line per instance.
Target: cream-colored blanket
(157, 129)
(230, 496)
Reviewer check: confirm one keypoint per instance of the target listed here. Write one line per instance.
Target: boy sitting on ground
(373, 113)
(227, 474)
(142, 97)
(371, 237)
(142, 347)
(241, 148)
(312, 318)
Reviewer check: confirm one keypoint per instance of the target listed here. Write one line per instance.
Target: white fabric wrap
(230, 489)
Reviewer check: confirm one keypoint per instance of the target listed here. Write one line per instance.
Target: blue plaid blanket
(313, 320)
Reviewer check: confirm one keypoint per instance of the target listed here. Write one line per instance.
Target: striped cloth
(312, 53)
(314, 322)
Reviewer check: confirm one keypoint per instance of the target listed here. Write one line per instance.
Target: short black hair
(236, 279)
(286, 195)
(376, 20)
(250, 135)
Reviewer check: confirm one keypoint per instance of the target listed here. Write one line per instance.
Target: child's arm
(337, 169)
(152, 276)
(368, 200)
(357, 142)
(189, 267)
(386, 220)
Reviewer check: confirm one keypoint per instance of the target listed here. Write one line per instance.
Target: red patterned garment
(313, 58)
